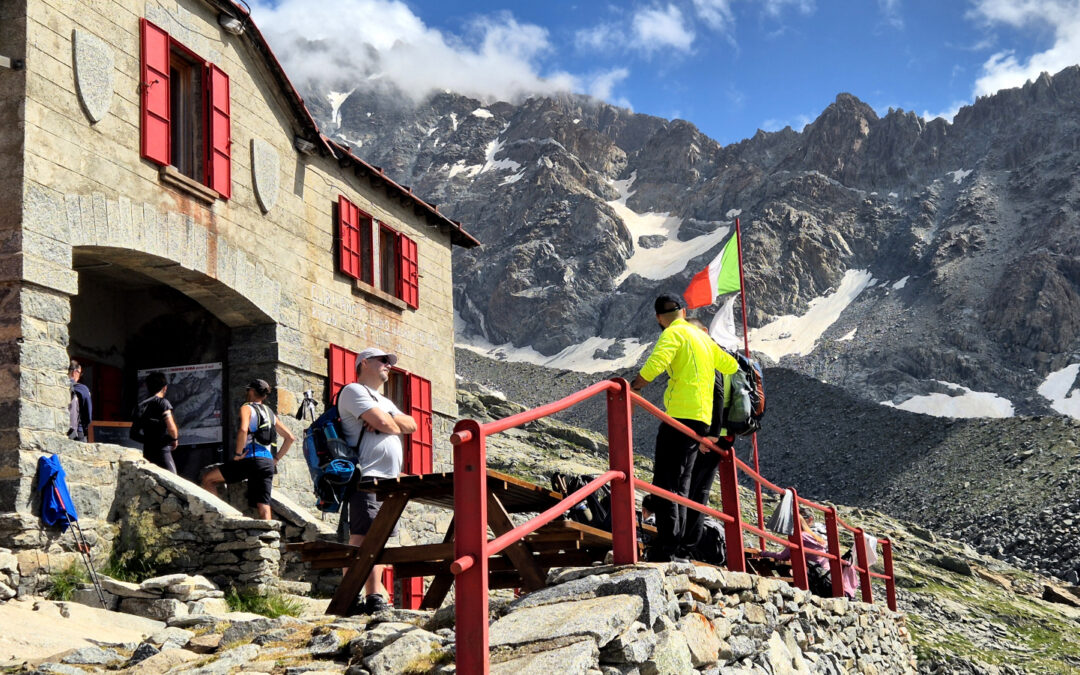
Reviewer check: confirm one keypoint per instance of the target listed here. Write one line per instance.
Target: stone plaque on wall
(265, 169)
(93, 61)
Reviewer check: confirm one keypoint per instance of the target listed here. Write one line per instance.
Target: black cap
(261, 387)
(668, 302)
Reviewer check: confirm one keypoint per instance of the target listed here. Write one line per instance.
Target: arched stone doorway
(136, 312)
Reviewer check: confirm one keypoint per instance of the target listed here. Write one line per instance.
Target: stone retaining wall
(209, 537)
(684, 618)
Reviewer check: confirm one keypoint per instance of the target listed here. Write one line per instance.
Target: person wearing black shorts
(254, 459)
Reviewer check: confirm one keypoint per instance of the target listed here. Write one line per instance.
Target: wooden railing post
(798, 551)
(864, 574)
(890, 582)
(470, 540)
(836, 567)
(729, 497)
(621, 458)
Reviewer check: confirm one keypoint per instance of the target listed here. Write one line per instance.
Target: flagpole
(746, 350)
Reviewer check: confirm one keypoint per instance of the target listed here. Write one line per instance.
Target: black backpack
(594, 510)
(147, 426)
(743, 413)
(712, 547)
(265, 433)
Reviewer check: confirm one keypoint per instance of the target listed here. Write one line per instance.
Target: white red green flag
(719, 278)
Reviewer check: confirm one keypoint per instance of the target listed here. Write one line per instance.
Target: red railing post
(890, 582)
(864, 573)
(729, 497)
(470, 540)
(798, 552)
(836, 567)
(621, 458)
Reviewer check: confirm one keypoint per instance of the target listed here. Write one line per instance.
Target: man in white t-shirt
(373, 421)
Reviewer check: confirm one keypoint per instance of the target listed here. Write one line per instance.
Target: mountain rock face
(969, 230)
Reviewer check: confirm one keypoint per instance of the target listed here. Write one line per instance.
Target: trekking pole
(82, 547)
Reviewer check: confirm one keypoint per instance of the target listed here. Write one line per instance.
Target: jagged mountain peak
(948, 248)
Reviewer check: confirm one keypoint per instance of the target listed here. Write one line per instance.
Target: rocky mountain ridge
(586, 211)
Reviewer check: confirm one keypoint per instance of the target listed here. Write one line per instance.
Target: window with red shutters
(342, 370)
(185, 111)
(409, 272)
(355, 246)
(156, 101)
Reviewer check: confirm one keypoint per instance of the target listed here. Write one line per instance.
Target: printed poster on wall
(197, 397)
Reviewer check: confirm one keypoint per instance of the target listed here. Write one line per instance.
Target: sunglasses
(381, 359)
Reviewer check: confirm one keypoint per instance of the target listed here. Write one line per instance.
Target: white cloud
(715, 13)
(346, 41)
(948, 114)
(1005, 69)
(603, 84)
(656, 28)
(890, 11)
(776, 7)
(798, 123)
(600, 38)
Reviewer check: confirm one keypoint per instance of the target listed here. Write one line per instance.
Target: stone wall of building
(262, 262)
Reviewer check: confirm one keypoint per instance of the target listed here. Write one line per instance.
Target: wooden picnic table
(521, 565)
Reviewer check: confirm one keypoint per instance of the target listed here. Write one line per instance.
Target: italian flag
(719, 278)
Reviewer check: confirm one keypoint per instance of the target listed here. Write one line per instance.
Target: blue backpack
(330, 460)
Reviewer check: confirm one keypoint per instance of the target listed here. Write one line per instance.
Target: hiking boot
(356, 608)
(375, 603)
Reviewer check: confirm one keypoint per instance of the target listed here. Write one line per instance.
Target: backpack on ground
(712, 547)
(594, 510)
(330, 460)
(265, 433)
(147, 427)
(747, 405)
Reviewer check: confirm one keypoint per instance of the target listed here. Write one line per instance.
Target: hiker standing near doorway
(153, 423)
(254, 459)
(374, 425)
(691, 359)
(80, 407)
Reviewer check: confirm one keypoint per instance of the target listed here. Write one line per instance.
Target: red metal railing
(472, 549)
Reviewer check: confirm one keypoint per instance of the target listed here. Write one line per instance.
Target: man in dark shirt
(155, 425)
(81, 408)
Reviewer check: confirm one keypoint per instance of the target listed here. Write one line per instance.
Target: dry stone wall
(208, 536)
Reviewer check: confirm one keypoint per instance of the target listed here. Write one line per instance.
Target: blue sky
(729, 66)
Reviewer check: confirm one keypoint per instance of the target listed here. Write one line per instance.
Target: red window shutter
(388, 582)
(412, 592)
(342, 369)
(408, 272)
(155, 108)
(419, 453)
(219, 147)
(348, 238)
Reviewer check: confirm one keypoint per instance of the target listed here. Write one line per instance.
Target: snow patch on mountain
(482, 113)
(577, 357)
(671, 257)
(967, 404)
(336, 98)
(1059, 390)
(900, 284)
(795, 335)
(959, 175)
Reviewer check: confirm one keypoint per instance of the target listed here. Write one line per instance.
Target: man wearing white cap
(372, 422)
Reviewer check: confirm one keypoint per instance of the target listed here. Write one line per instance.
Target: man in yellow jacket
(691, 358)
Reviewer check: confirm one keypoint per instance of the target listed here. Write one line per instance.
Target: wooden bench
(522, 565)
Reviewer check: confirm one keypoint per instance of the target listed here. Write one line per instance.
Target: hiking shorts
(257, 471)
(363, 507)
